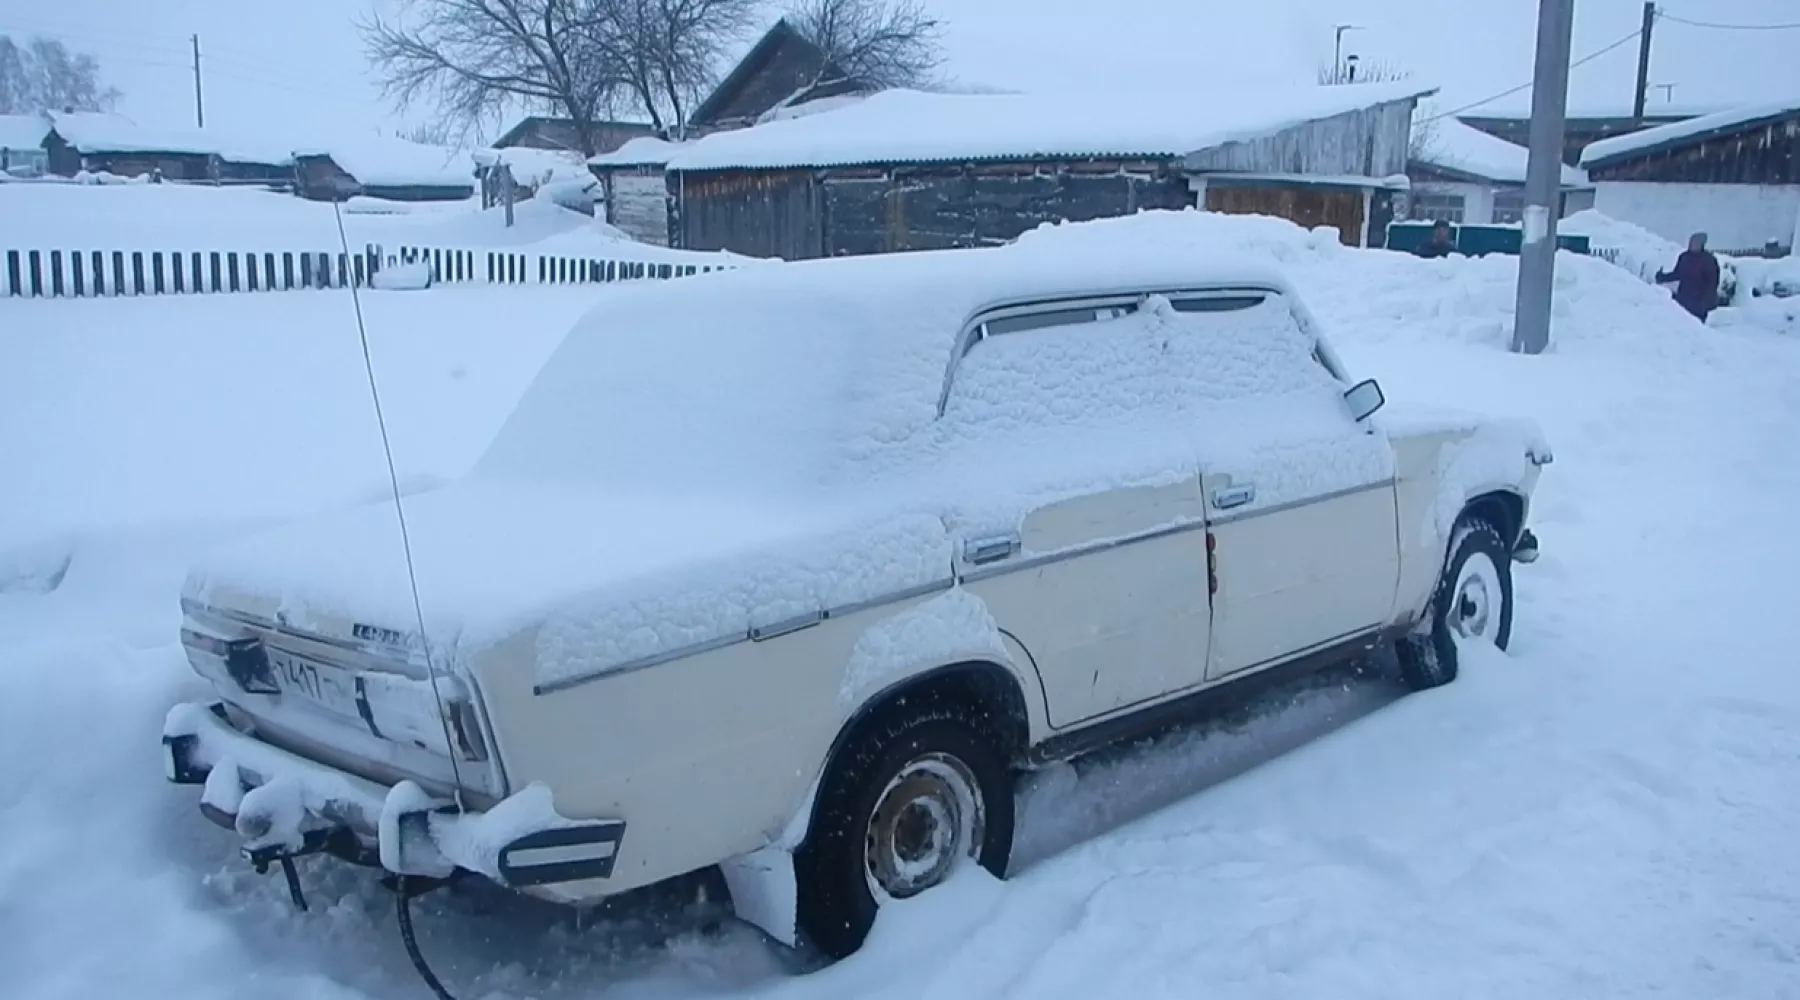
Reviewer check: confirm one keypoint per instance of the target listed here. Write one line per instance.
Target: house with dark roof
(1582, 127)
(907, 170)
(1734, 175)
(538, 132)
(782, 70)
(1465, 176)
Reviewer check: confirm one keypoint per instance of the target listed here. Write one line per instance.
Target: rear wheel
(916, 792)
(1473, 603)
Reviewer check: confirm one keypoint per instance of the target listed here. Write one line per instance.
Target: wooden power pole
(1643, 76)
(199, 107)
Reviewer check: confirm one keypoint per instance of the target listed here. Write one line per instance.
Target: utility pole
(1543, 176)
(199, 106)
(1643, 77)
(1337, 51)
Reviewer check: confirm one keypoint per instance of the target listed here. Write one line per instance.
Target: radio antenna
(412, 576)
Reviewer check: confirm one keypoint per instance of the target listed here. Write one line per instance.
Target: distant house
(107, 143)
(905, 170)
(783, 69)
(1734, 175)
(559, 133)
(1463, 175)
(22, 152)
(633, 187)
(390, 169)
(1582, 127)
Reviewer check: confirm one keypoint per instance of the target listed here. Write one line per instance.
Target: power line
(1590, 57)
(1729, 27)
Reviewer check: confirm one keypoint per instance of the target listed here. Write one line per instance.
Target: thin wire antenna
(412, 576)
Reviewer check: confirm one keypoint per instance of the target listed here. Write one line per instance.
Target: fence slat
(99, 273)
(156, 272)
(75, 274)
(56, 274)
(175, 272)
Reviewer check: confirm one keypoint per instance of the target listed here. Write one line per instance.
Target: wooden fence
(87, 274)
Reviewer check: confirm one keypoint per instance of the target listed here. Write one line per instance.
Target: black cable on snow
(403, 893)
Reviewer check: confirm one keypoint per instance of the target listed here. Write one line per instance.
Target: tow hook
(1526, 550)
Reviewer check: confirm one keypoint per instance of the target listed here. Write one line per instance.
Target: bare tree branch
(582, 59)
(884, 43)
(45, 76)
(1356, 71)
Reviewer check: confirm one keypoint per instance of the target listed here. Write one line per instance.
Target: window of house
(1509, 206)
(1436, 205)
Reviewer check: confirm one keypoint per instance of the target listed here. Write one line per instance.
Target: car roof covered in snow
(776, 371)
(909, 126)
(1699, 129)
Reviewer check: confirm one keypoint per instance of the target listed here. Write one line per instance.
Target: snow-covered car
(791, 570)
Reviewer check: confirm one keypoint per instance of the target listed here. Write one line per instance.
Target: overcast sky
(269, 64)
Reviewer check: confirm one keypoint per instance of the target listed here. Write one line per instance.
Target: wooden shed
(905, 170)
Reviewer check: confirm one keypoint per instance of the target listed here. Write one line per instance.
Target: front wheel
(1473, 603)
(916, 792)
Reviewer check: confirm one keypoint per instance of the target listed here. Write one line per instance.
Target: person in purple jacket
(1696, 277)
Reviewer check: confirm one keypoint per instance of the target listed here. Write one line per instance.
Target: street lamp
(1337, 50)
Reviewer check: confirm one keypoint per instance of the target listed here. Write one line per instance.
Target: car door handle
(990, 549)
(1227, 497)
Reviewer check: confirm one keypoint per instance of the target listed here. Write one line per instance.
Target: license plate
(329, 687)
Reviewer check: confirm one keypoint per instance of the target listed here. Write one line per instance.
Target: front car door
(1083, 519)
(1301, 507)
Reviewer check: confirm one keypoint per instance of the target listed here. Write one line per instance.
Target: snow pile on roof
(97, 132)
(23, 131)
(1652, 138)
(908, 126)
(643, 151)
(1451, 145)
(380, 161)
(533, 166)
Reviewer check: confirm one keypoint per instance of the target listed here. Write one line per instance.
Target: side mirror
(1364, 398)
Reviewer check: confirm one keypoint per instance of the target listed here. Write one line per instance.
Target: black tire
(837, 907)
(1428, 656)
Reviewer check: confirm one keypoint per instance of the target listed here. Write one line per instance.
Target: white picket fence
(90, 273)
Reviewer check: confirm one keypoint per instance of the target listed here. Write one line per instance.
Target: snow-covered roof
(385, 162)
(1451, 145)
(909, 126)
(1594, 109)
(23, 131)
(95, 132)
(644, 151)
(1677, 133)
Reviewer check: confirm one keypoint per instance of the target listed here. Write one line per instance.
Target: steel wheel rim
(927, 820)
(1478, 602)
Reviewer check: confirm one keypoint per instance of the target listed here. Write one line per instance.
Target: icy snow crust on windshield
(732, 451)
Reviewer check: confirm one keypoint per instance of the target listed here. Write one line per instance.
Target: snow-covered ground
(1605, 811)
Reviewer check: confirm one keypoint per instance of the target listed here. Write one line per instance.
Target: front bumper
(281, 802)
